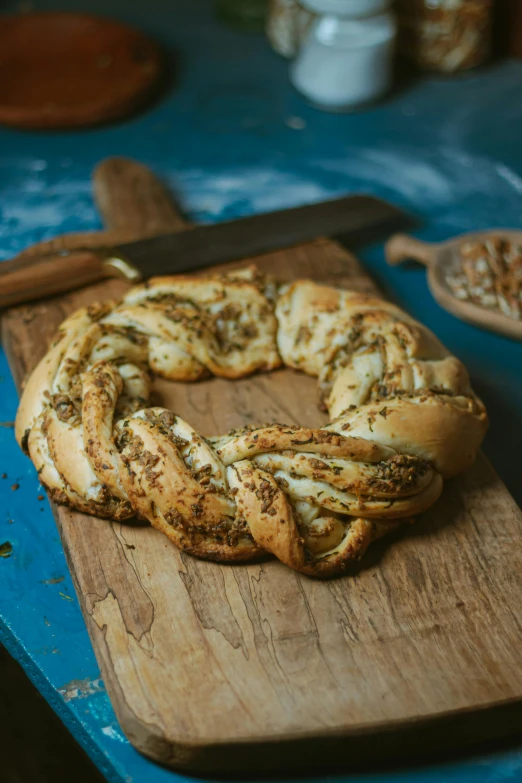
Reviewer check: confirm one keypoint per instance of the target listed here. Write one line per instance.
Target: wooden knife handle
(22, 282)
(134, 204)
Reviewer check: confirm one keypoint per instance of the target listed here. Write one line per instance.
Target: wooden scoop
(443, 259)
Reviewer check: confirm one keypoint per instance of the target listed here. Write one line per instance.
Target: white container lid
(347, 8)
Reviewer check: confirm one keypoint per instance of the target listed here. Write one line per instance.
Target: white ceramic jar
(347, 57)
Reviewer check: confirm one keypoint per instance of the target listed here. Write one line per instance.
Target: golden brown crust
(382, 376)
(403, 416)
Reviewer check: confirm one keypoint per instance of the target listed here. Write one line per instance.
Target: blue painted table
(233, 138)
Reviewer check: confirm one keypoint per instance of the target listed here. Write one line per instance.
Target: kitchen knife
(352, 217)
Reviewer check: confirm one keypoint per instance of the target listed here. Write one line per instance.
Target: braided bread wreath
(403, 416)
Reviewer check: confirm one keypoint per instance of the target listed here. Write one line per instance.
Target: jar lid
(350, 8)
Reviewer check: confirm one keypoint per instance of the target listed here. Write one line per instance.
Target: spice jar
(445, 35)
(347, 56)
(287, 24)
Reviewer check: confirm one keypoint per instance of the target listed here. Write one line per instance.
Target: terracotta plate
(65, 70)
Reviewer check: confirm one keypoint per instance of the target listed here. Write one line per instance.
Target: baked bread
(402, 417)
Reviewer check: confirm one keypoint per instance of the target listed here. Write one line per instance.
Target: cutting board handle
(402, 247)
(131, 198)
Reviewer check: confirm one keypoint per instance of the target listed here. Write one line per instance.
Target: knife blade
(206, 245)
(198, 247)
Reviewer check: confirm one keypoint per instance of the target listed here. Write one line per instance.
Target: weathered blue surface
(233, 138)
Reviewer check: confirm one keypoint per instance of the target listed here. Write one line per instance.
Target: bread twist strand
(403, 417)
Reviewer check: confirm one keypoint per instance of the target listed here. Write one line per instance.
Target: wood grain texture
(220, 668)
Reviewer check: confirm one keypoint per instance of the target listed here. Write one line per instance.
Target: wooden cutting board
(254, 667)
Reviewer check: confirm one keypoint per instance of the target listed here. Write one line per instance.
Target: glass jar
(287, 25)
(445, 35)
(347, 57)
